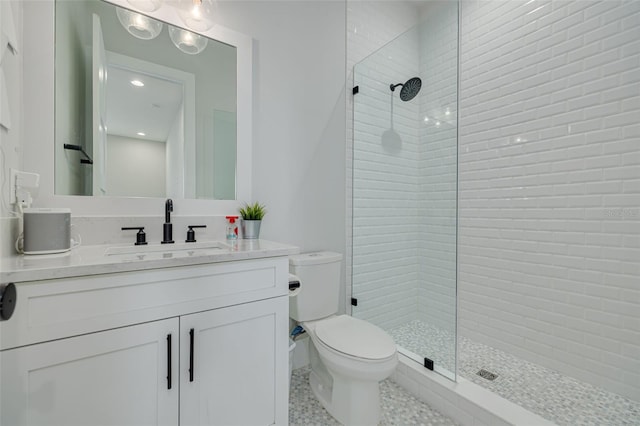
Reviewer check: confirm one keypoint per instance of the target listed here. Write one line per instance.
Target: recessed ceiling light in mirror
(141, 134)
(137, 83)
(138, 25)
(187, 41)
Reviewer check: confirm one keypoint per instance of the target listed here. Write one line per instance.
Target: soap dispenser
(232, 228)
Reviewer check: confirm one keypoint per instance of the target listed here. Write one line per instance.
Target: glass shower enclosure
(404, 202)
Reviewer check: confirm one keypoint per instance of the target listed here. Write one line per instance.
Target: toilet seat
(355, 337)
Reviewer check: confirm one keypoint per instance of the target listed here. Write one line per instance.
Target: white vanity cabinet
(233, 376)
(114, 377)
(190, 345)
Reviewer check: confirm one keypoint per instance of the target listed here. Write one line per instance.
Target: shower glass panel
(405, 188)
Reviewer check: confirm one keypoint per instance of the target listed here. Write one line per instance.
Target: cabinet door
(115, 377)
(233, 365)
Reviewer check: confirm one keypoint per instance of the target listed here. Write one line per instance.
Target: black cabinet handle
(191, 338)
(168, 361)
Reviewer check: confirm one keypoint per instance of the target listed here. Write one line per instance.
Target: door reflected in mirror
(156, 117)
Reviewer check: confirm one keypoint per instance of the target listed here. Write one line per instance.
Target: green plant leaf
(255, 211)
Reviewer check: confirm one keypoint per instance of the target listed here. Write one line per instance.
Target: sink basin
(168, 250)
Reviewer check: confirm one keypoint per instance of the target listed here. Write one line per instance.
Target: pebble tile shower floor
(398, 406)
(561, 399)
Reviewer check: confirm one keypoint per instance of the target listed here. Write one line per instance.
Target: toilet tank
(319, 294)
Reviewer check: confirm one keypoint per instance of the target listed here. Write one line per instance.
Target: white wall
(224, 154)
(11, 140)
(175, 170)
(549, 237)
(299, 128)
(71, 99)
(216, 160)
(135, 167)
(298, 148)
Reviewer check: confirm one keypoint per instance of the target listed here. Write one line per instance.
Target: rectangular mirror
(143, 108)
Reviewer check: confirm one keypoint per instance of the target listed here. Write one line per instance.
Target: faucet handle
(191, 235)
(141, 237)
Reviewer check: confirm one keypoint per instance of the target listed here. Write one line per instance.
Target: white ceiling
(152, 109)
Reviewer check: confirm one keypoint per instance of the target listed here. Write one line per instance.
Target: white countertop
(95, 260)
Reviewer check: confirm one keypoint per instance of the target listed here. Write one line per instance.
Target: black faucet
(167, 228)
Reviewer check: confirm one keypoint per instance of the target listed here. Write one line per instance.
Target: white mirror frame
(38, 125)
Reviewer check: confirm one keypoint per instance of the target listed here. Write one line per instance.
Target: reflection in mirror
(153, 106)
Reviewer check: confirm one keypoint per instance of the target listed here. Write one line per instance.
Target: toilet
(349, 357)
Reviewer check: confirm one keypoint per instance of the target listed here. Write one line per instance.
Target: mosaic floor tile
(398, 406)
(561, 399)
(426, 340)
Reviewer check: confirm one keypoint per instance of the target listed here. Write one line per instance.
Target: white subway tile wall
(404, 194)
(549, 185)
(438, 52)
(549, 179)
(371, 25)
(386, 223)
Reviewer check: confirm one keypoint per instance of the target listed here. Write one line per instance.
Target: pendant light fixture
(196, 14)
(138, 25)
(146, 5)
(187, 41)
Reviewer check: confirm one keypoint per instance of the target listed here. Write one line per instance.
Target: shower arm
(393, 86)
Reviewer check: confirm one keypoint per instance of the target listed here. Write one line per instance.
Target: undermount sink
(168, 250)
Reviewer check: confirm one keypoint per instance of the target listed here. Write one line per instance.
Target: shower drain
(487, 374)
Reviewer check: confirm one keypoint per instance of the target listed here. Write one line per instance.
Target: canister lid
(315, 258)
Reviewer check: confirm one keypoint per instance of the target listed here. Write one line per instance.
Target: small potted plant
(252, 215)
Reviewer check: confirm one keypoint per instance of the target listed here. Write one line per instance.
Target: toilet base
(349, 402)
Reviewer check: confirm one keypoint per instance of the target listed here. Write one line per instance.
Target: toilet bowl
(349, 356)
(354, 347)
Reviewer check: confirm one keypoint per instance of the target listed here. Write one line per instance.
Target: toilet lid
(355, 337)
